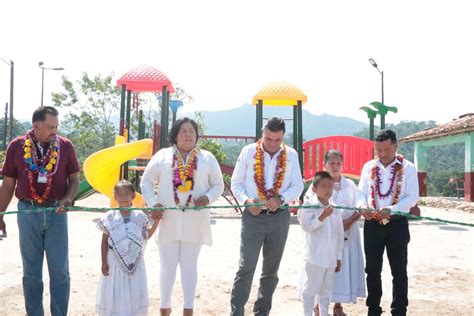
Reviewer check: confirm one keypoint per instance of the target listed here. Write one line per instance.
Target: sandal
(316, 310)
(337, 311)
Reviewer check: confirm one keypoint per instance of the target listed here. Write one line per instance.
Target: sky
(223, 52)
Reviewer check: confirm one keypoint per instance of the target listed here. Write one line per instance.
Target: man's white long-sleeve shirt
(324, 240)
(243, 183)
(409, 193)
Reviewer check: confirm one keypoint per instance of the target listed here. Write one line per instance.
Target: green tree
(91, 104)
(209, 144)
(19, 128)
(402, 129)
(152, 108)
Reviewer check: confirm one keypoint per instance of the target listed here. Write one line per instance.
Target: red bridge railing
(356, 151)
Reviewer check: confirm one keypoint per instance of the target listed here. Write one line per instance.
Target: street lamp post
(41, 65)
(382, 117)
(5, 128)
(12, 71)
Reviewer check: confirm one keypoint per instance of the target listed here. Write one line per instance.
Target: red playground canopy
(145, 79)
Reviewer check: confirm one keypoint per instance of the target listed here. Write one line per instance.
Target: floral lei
(259, 173)
(46, 166)
(396, 181)
(183, 176)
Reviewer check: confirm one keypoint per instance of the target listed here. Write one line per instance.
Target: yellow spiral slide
(102, 168)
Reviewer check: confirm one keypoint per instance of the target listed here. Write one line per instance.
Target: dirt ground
(441, 276)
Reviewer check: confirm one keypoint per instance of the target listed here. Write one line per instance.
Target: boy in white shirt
(323, 246)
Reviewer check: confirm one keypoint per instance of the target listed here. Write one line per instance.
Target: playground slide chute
(102, 169)
(85, 190)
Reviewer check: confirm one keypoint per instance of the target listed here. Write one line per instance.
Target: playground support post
(127, 130)
(122, 109)
(300, 134)
(164, 117)
(141, 125)
(295, 128)
(127, 115)
(259, 120)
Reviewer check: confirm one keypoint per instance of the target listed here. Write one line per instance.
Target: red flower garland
(46, 166)
(181, 177)
(259, 173)
(396, 177)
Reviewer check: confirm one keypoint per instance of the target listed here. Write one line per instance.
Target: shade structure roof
(463, 124)
(280, 93)
(145, 79)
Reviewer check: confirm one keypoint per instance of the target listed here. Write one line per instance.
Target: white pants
(319, 283)
(186, 254)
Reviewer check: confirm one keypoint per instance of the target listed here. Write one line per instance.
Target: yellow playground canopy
(279, 93)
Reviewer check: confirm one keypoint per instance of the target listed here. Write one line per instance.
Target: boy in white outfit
(323, 246)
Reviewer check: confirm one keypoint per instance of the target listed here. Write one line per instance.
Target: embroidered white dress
(349, 282)
(124, 291)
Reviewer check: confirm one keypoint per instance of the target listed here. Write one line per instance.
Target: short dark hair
(275, 124)
(386, 134)
(124, 184)
(177, 125)
(40, 113)
(332, 152)
(320, 175)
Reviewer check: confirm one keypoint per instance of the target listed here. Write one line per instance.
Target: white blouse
(188, 225)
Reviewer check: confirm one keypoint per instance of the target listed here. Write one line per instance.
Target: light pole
(12, 71)
(41, 65)
(382, 117)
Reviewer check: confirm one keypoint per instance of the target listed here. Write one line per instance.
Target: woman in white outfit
(185, 176)
(349, 283)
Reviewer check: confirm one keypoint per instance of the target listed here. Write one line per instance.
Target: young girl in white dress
(123, 288)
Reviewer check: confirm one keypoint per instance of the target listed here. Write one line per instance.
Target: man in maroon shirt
(42, 170)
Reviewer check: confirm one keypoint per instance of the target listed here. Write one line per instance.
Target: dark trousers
(394, 237)
(262, 231)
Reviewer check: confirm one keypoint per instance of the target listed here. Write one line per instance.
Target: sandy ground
(440, 268)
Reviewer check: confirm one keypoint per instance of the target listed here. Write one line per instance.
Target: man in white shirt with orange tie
(388, 184)
(266, 172)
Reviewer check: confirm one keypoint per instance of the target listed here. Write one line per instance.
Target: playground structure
(281, 93)
(104, 168)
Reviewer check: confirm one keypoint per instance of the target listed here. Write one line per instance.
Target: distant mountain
(241, 121)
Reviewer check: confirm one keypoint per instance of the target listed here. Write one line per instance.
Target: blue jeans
(39, 233)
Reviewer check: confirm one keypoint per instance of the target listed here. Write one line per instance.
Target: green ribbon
(197, 208)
